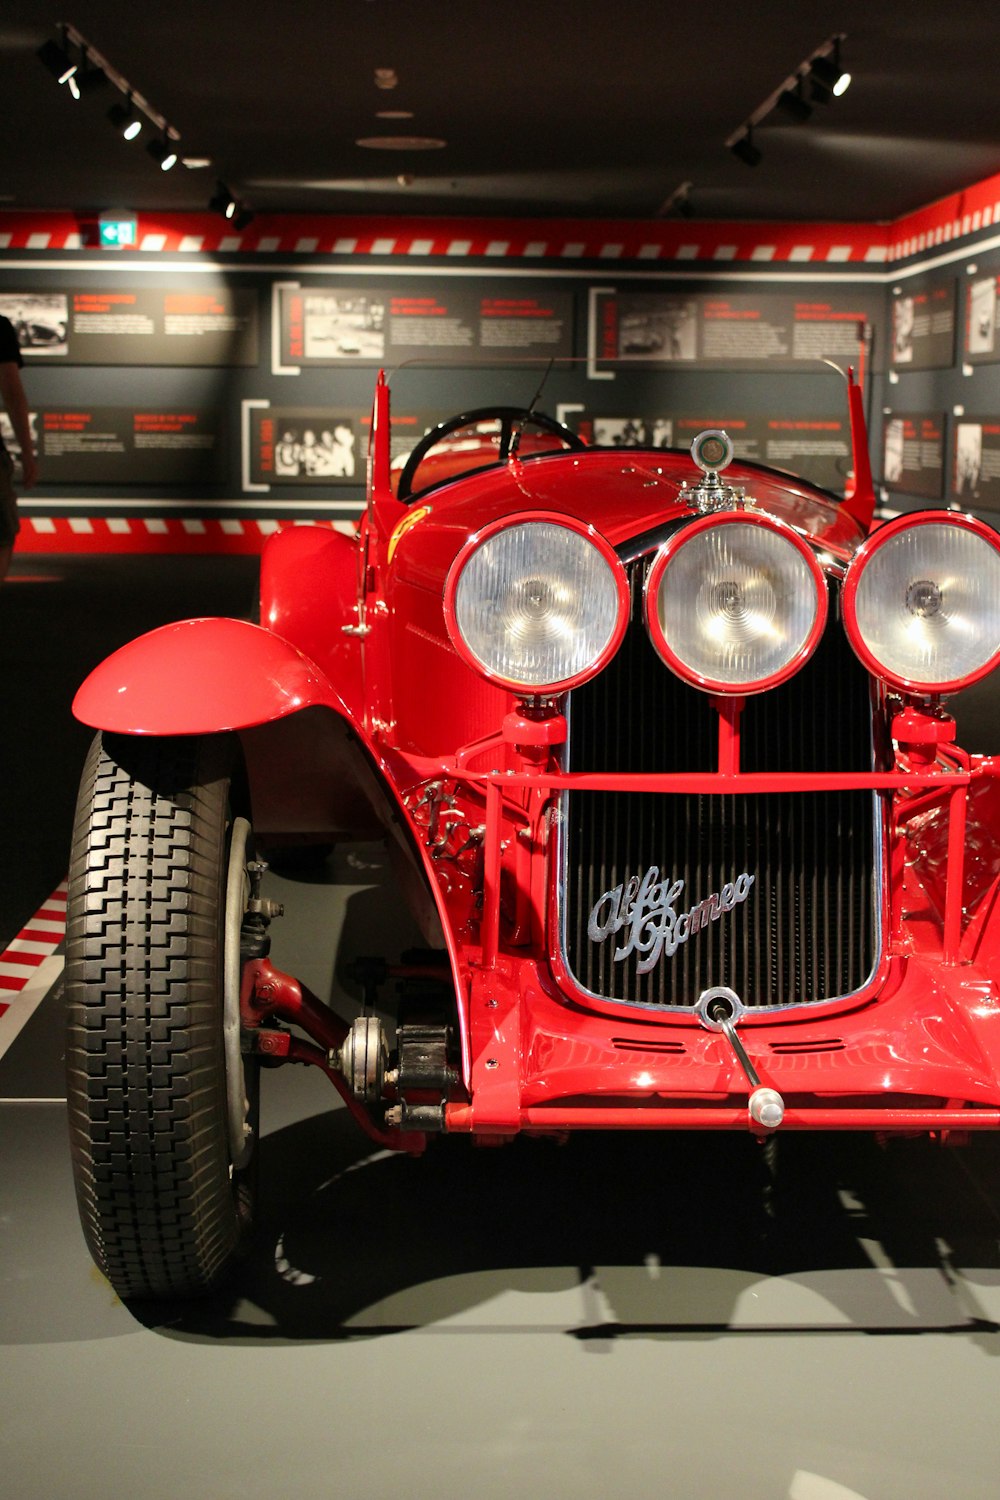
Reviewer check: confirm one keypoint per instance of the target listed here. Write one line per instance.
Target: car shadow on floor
(607, 1237)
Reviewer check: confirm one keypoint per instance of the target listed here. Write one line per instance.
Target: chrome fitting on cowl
(712, 450)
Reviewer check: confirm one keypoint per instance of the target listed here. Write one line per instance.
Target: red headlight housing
(922, 601)
(537, 603)
(735, 602)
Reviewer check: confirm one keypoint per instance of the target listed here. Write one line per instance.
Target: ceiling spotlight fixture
(124, 118)
(223, 201)
(828, 73)
(744, 148)
(386, 78)
(57, 59)
(163, 153)
(821, 69)
(791, 103)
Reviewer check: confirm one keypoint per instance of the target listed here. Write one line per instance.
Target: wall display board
(815, 448)
(982, 314)
(124, 366)
(975, 461)
(379, 325)
(762, 329)
(923, 324)
(194, 325)
(125, 445)
(913, 453)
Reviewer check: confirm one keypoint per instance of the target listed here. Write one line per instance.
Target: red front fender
(201, 677)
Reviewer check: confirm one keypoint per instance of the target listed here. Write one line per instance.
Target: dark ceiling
(571, 108)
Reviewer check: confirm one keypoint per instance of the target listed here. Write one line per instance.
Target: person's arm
(16, 402)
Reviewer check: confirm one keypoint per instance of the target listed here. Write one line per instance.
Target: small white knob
(767, 1108)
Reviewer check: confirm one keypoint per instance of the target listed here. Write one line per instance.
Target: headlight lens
(922, 601)
(735, 603)
(537, 605)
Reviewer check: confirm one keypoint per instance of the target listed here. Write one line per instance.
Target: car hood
(621, 496)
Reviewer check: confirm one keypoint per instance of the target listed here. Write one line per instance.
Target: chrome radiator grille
(808, 930)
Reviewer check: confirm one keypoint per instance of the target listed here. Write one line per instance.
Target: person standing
(16, 405)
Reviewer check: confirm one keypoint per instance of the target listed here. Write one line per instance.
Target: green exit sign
(117, 232)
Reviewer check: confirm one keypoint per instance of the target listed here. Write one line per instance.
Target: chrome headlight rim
(509, 522)
(869, 548)
(719, 686)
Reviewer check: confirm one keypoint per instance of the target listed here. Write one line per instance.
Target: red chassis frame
(531, 1051)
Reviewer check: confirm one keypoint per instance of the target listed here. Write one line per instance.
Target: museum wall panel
(199, 389)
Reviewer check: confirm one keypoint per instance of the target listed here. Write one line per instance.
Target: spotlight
(57, 60)
(791, 103)
(163, 153)
(745, 149)
(223, 202)
(124, 118)
(243, 218)
(827, 74)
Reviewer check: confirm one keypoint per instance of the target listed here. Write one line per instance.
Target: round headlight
(922, 601)
(537, 605)
(735, 603)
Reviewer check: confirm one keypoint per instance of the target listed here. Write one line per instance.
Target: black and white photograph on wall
(652, 327)
(982, 313)
(913, 454)
(10, 438)
(632, 432)
(305, 453)
(923, 324)
(980, 334)
(892, 462)
(902, 331)
(315, 445)
(968, 459)
(350, 326)
(620, 432)
(40, 321)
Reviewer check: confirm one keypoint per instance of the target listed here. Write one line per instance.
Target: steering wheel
(511, 418)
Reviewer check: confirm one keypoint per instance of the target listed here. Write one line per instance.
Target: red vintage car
(659, 743)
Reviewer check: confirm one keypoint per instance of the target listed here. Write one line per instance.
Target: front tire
(162, 1206)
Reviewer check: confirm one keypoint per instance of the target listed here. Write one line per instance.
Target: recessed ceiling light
(386, 78)
(400, 143)
(196, 163)
(394, 114)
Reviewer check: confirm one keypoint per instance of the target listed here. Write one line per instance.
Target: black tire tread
(143, 985)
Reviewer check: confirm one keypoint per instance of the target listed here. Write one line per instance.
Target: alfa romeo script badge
(646, 908)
